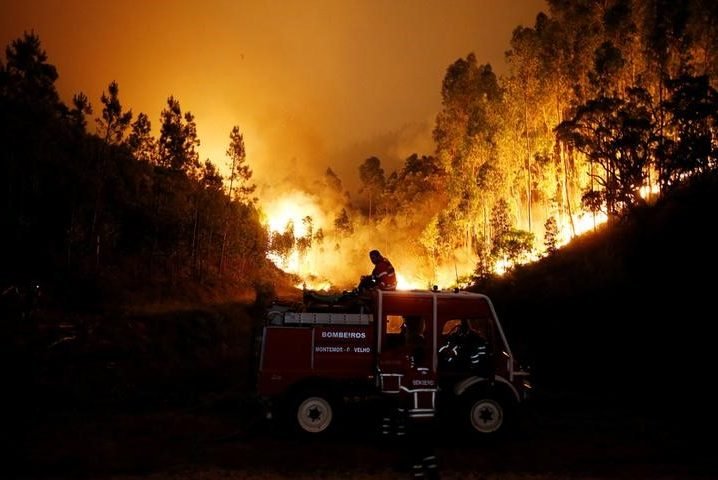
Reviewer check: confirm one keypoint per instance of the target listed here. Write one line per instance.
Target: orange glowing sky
(311, 84)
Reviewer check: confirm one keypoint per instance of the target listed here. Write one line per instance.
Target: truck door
(392, 359)
(406, 337)
(405, 370)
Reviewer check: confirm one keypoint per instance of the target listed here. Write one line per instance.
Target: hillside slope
(624, 315)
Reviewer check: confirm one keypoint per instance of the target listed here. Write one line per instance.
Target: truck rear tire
(313, 412)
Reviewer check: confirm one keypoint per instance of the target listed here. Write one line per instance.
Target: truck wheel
(484, 416)
(313, 413)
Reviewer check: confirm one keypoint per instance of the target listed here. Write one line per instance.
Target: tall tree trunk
(101, 157)
(195, 240)
(528, 157)
(220, 265)
(567, 193)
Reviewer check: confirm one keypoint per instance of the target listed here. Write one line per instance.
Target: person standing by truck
(410, 416)
(382, 276)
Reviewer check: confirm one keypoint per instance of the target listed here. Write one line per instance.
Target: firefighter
(410, 416)
(420, 452)
(382, 277)
(414, 431)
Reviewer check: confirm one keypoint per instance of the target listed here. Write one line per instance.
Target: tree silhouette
(240, 173)
(141, 142)
(690, 147)
(551, 235)
(109, 207)
(114, 122)
(178, 139)
(27, 77)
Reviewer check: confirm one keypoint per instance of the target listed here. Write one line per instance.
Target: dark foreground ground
(563, 437)
(168, 396)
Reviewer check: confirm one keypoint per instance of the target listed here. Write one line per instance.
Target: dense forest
(605, 106)
(115, 205)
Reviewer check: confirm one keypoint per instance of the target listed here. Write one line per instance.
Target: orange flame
(338, 261)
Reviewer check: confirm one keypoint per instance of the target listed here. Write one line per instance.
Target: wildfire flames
(289, 213)
(325, 261)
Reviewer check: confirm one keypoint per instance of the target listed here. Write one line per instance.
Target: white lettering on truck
(329, 349)
(342, 349)
(332, 334)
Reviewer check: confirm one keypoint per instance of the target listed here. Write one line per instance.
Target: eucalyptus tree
(690, 146)
(581, 28)
(332, 181)
(429, 242)
(414, 194)
(702, 28)
(466, 139)
(508, 243)
(501, 221)
(556, 173)
(620, 23)
(551, 235)
(372, 178)
(304, 243)
(343, 224)
(619, 135)
(663, 27)
(608, 62)
(282, 243)
(549, 69)
(414, 186)
(524, 61)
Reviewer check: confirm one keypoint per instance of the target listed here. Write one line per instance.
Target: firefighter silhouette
(410, 416)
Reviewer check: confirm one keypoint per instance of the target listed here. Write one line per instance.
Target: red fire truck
(445, 351)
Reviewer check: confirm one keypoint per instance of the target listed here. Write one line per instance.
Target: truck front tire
(486, 413)
(486, 416)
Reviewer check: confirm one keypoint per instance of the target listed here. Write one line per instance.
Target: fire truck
(444, 351)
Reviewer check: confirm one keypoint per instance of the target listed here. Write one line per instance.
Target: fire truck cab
(446, 351)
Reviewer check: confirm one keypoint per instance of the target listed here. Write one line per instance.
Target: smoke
(285, 151)
(392, 148)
